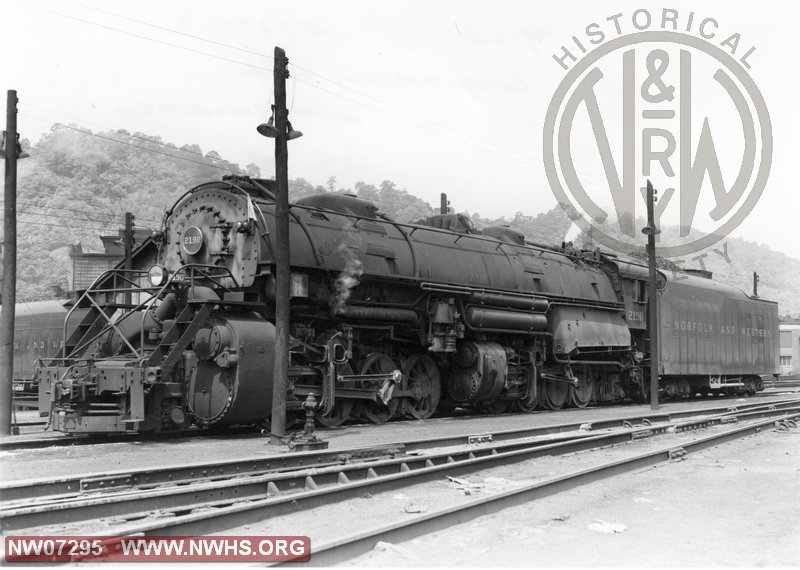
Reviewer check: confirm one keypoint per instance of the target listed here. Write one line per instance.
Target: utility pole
(652, 294)
(280, 376)
(128, 243)
(9, 266)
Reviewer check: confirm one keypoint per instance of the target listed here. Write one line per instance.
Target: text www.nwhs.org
(157, 548)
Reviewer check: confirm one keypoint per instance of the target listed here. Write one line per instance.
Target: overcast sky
(433, 95)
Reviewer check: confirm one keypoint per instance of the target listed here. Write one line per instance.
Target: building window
(786, 361)
(786, 339)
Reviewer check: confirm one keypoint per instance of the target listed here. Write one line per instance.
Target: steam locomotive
(386, 319)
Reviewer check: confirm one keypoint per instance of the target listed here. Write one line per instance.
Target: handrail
(554, 299)
(193, 272)
(93, 288)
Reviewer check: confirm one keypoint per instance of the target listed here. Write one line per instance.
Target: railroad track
(794, 383)
(215, 502)
(187, 473)
(343, 548)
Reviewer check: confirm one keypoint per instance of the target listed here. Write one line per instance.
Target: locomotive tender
(385, 319)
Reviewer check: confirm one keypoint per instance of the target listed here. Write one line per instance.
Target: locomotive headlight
(157, 275)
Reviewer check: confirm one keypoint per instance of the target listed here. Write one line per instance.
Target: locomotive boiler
(386, 319)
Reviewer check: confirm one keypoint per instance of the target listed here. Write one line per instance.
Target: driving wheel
(582, 394)
(377, 412)
(424, 383)
(555, 394)
(530, 400)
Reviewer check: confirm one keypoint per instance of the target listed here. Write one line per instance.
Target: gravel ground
(733, 505)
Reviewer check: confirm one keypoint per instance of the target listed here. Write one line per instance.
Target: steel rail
(31, 489)
(285, 487)
(27, 490)
(277, 494)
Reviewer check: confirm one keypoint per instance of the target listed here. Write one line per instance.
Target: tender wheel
(341, 407)
(423, 380)
(582, 394)
(555, 394)
(530, 400)
(376, 412)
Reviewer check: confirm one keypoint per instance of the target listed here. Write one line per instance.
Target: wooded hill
(78, 184)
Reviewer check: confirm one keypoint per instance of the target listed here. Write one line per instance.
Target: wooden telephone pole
(652, 294)
(280, 376)
(128, 244)
(9, 267)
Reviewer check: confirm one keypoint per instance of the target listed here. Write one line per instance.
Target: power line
(302, 68)
(99, 229)
(170, 30)
(30, 205)
(109, 217)
(90, 133)
(177, 46)
(84, 211)
(77, 211)
(107, 223)
(529, 160)
(166, 145)
(200, 38)
(133, 136)
(44, 215)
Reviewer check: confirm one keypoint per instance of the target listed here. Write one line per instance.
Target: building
(85, 267)
(790, 345)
